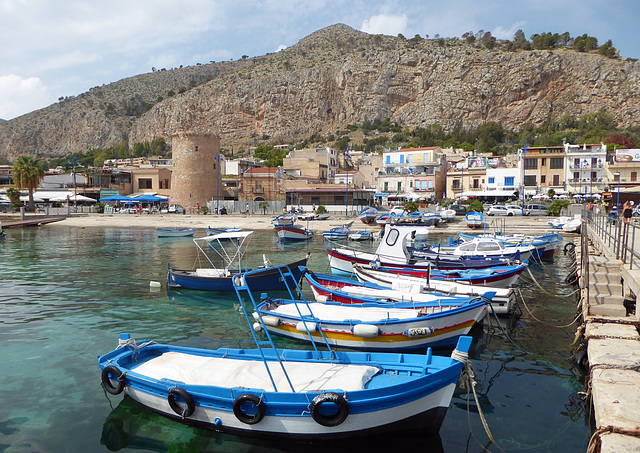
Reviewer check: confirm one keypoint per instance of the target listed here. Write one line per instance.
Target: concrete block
(596, 329)
(616, 397)
(616, 310)
(618, 443)
(614, 352)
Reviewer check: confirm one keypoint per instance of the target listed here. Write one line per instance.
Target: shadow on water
(132, 426)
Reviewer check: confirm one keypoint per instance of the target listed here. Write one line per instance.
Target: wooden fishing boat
(399, 288)
(363, 235)
(477, 247)
(336, 233)
(368, 215)
(283, 394)
(375, 326)
(474, 219)
(231, 247)
(293, 233)
(448, 215)
(287, 219)
(173, 233)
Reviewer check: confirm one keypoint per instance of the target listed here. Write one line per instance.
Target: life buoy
(188, 400)
(249, 408)
(333, 418)
(108, 373)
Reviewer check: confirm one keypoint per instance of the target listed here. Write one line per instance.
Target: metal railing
(619, 236)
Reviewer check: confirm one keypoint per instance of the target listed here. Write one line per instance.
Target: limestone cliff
(340, 76)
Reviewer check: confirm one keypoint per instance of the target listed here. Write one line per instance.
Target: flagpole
(346, 163)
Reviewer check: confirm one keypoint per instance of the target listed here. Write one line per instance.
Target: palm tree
(263, 205)
(26, 173)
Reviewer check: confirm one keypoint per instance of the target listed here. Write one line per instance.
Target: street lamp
(218, 159)
(617, 175)
(346, 163)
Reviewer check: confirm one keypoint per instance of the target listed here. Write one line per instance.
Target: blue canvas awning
(116, 198)
(380, 194)
(149, 198)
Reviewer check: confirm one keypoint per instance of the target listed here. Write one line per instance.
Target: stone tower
(196, 169)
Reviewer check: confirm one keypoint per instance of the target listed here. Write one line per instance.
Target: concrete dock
(610, 326)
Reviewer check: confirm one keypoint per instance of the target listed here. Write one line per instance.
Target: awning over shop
(380, 194)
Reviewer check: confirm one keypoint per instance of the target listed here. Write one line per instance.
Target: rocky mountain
(334, 77)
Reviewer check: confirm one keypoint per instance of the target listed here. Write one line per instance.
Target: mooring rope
(578, 316)
(547, 292)
(595, 443)
(467, 372)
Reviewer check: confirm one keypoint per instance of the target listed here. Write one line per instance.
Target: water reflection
(132, 426)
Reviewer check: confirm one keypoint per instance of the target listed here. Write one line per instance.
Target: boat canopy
(225, 235)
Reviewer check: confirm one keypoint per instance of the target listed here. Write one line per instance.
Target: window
(556, 162)
(145, 183)
(455, 184)
(399, 187)
(196, 148)
(530, 164)
(476, 183)
(543, 179)
(388, 160)
(576, 176)
(634, 176)
(402, 158)
(556, 180)
(530, 180)
(386, 186)
(492, 180)
(509, 181)
(430, 182)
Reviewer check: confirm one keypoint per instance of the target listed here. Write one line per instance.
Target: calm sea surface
(67, 293)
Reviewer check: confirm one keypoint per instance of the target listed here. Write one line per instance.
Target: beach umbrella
(116, 198)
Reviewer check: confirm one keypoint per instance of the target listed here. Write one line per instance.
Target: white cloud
(502, 33)
(19, 95)
(281, 47)
(385, 24)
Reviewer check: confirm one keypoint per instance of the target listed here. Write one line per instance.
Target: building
(543, 168)
(417, 173)
(319, 164)
(585, 169)
(195, 177)
(262, 184)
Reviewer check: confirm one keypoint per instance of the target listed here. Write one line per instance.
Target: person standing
(627, 211)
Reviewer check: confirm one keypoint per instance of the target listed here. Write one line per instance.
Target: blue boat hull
(267, 280)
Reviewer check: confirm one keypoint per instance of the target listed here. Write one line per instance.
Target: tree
(476, 205)
(14, 197)
(263, 205)
(27, 172)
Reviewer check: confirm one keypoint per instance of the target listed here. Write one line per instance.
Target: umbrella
(116, 198)
(149, 198)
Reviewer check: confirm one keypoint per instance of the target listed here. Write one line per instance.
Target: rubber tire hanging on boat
(106, 381)
(243, 416)
(329, 420)
(188, 399)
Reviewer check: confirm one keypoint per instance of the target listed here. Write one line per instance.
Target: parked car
(535, 209)
(515, 209)
(397, 210)
(499, 210)
(176, 209)
(460, 210)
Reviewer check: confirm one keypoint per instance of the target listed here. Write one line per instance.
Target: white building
(585, 168)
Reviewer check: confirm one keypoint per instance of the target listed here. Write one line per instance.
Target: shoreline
(532, 225)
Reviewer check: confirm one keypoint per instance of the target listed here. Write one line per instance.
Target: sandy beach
(530, 225)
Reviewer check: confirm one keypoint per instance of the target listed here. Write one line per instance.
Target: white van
(535, 209)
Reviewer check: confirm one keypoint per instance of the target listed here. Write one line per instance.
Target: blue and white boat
(363, 235)
(211, 231)
(231, 247)
(174, 233)
(293, 233)
(286, 394)
(474, 219)
(368, 215)
(286, 219)
(336, 233)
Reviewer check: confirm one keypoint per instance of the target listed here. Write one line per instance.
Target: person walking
(627, 211)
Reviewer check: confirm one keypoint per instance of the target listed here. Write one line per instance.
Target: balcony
(258, 190)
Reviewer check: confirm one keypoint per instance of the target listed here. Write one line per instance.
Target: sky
(51, 49)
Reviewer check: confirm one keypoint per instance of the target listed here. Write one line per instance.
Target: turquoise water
(67, 293)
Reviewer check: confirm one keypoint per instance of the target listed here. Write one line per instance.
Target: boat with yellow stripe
(375, 326)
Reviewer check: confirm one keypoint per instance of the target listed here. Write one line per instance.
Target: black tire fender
(109, 371)
(248, 417)
(188, 400)
(332, 419)
(570, 246)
